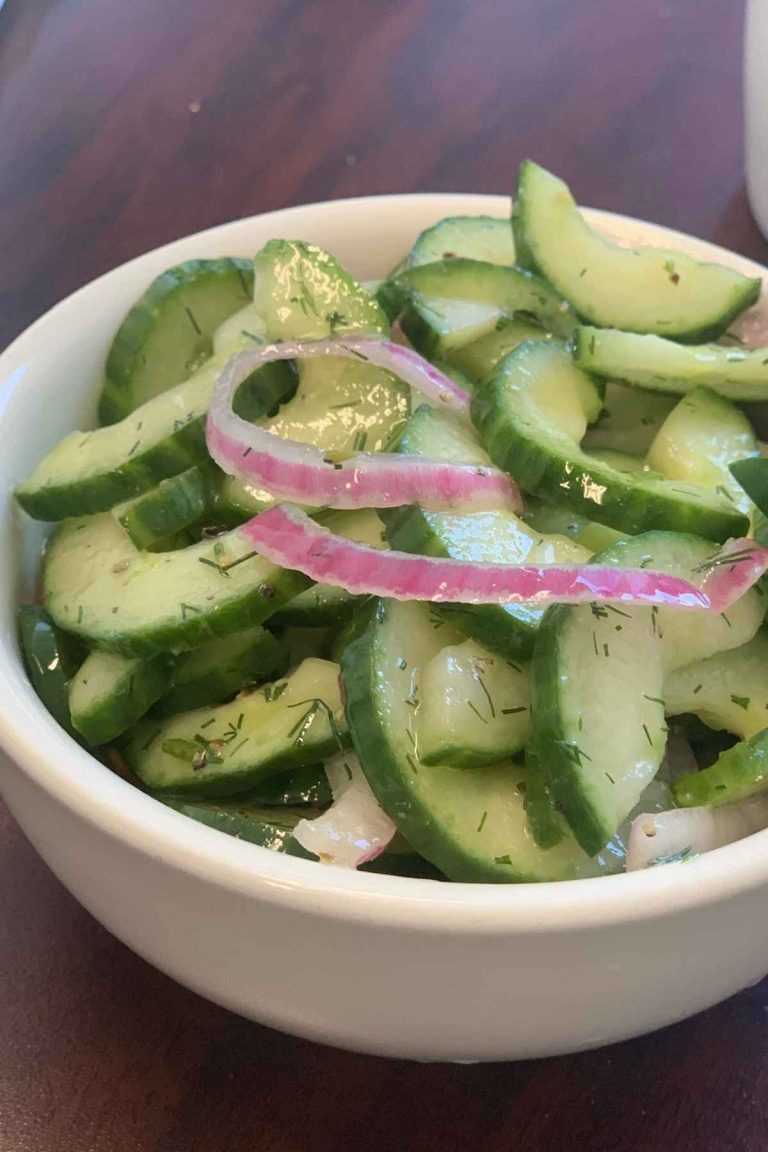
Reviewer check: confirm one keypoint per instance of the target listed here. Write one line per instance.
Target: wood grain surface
(125, 125)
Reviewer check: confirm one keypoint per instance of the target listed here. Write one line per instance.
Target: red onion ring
(288, 537)
(294, 471)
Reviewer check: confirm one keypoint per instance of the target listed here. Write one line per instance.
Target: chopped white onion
(355, 828)
(661, 837)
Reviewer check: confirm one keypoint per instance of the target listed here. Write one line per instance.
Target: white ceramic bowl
(380, 964)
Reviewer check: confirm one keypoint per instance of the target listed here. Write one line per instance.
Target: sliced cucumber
(110, 693)
(268, 827)
(532, 416)
(545, 824)
(729, 690)
(50, 658)
(659, 365)
(219, 669)
(637, 289)
(698, 441)
(473, 708)
(629, 420)
(738, 773)
(247, 322)
(308, 786)
(553, 520)
(471, 825)
(598, 716)
(474, 237)
(229, 749)
(97, 585)
(167, 335)
(455, 302)
(480, 359)
(499, 536)
(302, 293)
(327, 603)
(687, 638)
(175, 504)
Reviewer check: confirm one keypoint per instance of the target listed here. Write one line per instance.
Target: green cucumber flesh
(473, 707)
(175, 504)
(652, 290)
(699, 440)
(659, 365)
(168, 334)
(554, 520)
(598, 717)
(737, 774)
(219, 669)
(532, 416)
(455, 302)
(687, 638)
(483, 238)
(726, 691)
(302, 293)
(628, 421)
(50, 657)
(98, 586)
(110, 693)
(498, 536)
(470, 825)
(246, 322)
(229, 749)
(479, 359)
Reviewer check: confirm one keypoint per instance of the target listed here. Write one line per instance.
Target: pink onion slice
(737, 566)
(354, 829)
(299, 472)
(288, 537)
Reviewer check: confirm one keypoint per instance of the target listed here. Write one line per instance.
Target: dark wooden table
(124, 125)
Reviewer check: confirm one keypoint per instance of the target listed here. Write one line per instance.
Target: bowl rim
(39, 748)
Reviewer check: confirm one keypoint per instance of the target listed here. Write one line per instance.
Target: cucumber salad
(457, 575)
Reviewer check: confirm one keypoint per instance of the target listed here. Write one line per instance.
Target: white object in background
(756, 108)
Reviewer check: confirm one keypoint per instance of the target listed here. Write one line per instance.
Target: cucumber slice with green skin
(686, 639)
(470, 825)
(473, 708)
(324, 604)
(168, 334)
(737, 774)
(728, 691)
(307, 786)
(498, 536)
(660, 365)
(219, 669)
(89, 472)
(230, 748)
(637, 289)
(623, 461)
(175, 504)
(267, 827)
(483, 238)
(545, 824)
(702, 436)
(302, 293)
(532, 416)
(629, 420)
(598, 715)
(553, 520)
(480, 359)
(455, 302)
(751, 474)
(110, 693)
(99, 586)
(50, 658)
